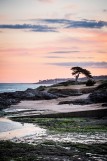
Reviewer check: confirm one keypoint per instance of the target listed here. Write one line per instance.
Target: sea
(12, 87)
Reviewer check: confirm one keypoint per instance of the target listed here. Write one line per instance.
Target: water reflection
(10, 129)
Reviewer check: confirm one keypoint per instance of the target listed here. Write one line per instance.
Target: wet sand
(33, 134)
(10, 129)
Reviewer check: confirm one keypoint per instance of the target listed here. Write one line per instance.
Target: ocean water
(12, 87)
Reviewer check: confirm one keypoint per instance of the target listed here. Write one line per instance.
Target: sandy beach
(38, 107)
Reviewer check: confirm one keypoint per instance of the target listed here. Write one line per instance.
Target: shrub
(41, 88)
(90, 82)
(102, 86)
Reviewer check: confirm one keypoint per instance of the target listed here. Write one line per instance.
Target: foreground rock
(52, 151)
(6, 102)
(7, 99)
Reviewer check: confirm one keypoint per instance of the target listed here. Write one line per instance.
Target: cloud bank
(76, 24)
(82, 64)
(59, 23)
(47, 1)
(65, 52)
(35, 28)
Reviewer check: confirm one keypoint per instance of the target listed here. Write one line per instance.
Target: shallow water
(12, 87)
(11, 129)
(30, 133)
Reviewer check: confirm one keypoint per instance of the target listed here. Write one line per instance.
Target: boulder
(64, 92)
(76, 102)
(47, 95)
(5, 103)
(36, 94)
(99, 96)
(104, 105)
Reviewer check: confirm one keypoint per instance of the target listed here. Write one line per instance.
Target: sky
(44, 39)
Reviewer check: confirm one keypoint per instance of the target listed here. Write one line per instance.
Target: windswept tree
(78, 70)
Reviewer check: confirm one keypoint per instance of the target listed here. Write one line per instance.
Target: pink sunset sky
(43, 39)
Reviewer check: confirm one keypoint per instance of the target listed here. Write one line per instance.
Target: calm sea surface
(12, 87)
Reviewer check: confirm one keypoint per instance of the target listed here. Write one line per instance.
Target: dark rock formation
(104, 105)
(64, 92)
(77, 102)
(9, 98)
(6, 102)
(100, 94)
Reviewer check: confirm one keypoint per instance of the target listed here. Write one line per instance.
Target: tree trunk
(76, 78)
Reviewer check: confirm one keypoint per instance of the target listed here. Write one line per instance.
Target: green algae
(68, 124)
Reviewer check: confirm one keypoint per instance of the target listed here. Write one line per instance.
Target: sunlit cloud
(47, 1)
(65, 52)
(83, 57)
(104, 10)
(70, 6)
(70, 15)
(4, 17)
(103, 52)
(54, 57)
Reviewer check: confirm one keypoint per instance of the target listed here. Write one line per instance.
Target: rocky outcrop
(6, 102)
(100, 94)
(104, 105)
(77, 102)
(64, 92)
(7, 99)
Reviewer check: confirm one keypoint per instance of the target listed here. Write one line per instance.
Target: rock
(4, 103)
(47, 95)
(36, 94)
(76, 102)
(98, 96)
(87, 90)
(64, 92)
(7, 99)
(31, 94)
(104, 105)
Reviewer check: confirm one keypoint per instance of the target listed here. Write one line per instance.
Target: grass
(62, 125)
(68, 83)
(41, 88)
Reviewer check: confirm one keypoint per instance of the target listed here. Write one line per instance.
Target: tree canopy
(78, 70)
